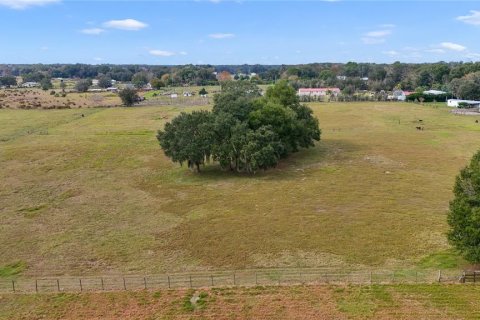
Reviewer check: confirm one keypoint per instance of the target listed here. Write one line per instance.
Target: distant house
(173, 95)
(31, 84)
(398, 95)
(187, 94)
(95, 82)
(457, 102)
(112, 89)
(434, 92)
(317, 92)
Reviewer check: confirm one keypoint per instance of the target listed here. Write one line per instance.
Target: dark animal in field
(476, 121)
(419, 128)
(83, 115)
(420, 120)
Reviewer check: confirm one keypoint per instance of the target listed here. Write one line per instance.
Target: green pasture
(96, 195)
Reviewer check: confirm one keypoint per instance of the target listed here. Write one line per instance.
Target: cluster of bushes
(244, 132)
(421, 97)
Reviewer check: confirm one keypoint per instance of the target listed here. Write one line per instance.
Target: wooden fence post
(191, 286)
(256, 278)
(36, 285)
(124, 284)
(145, 283)
(168, 277)
(81, 287)
(58, 285)
(211, 276)
(439, 275)
(13, 285)
(234, 280)
(103, 285)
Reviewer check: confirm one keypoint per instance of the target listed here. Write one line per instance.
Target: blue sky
(238, 32)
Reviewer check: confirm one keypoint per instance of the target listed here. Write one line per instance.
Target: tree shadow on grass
(324, 152)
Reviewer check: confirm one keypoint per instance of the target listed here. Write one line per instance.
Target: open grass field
(95, 194)
(297, 302)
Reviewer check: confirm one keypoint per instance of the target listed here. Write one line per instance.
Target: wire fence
(222, 279)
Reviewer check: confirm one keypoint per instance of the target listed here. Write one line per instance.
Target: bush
(129, 96)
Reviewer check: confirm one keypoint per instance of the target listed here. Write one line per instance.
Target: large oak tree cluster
(464, 215)
(244, 132)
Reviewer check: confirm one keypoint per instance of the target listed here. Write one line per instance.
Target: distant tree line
(459, 78)
(244, 132)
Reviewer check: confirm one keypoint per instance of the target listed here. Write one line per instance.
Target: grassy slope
(97, 195)
(297, 302)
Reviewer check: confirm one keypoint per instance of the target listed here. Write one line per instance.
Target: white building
(456, 102)
(30, 84)
(434, 92)
(317, 92)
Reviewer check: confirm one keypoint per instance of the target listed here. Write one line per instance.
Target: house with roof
(30, 84)
(456, 103)
(318, 92)
(434, 92)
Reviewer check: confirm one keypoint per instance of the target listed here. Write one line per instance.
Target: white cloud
(387, 26)
(93, 31)
(473, 55)
(127, 24)
(378, 34)
(473, 18)
(436, 50)
(22, 4)
(391, 53)
(182, 53)
(221, 35)
(98, 59)
(367, 40)
(452, 46)
(376, 37)
(161, 53)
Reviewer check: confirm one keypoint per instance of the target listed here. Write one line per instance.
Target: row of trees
(244, 132)
(406, 76)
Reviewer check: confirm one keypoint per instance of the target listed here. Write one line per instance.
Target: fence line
(220, 279)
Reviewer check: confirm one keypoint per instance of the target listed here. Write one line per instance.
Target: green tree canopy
(188, 138)
(46, 84)
(140, 79)
(464, 215)
(104, 81)
(157, 83)
(129, 96)
(83, 85)
(8, 81)
(244, 131)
